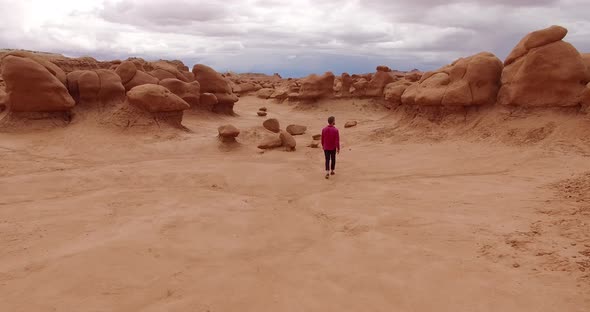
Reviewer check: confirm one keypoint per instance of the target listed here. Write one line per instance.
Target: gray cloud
(290, 37)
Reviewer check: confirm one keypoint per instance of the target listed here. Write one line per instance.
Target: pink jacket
(330, 138)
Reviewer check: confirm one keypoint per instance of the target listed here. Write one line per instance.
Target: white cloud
(264, 35)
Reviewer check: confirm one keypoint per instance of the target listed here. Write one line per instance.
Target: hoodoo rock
(228, 133)
(164, 70)
(155, 98)
(100, 87)
(474, 80)
(208, 102)
(188, 91)
(212, 82)
(316, 87)
(382, 78)
(346, 82)
(33, 87)
(543, 71)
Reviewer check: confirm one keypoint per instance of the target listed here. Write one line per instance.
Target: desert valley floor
(492, 215)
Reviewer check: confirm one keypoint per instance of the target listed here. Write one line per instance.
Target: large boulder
(155, 98)
(212, 82)
(382, 78)
(316, 87)
(32, 86)
(188, 91)
(272, 124)
(543, 70)
(132, 75)
(96, 87)
(474, 80)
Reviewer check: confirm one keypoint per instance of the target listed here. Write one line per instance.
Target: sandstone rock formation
(99, 87)
(271, 142)
(272, 124)
(393, 92)
(155, 98)
(316, 87)
(33, 85)
(207, 101)
(359, 87)
(350, 124)
(296, 129)
(164, 70)
(474, 80)
(212, 82)
(132, 77)
(288, 141)
(265, 93)
(228, 133)
(262, 113)
(346, 84)
(382, 78)
(190, 92)
(543, 71)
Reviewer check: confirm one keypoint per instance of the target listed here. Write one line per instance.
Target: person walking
(331, 145)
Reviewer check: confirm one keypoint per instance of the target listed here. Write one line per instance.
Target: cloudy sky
(292, 37)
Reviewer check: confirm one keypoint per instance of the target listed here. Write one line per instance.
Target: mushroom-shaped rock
(228, 133)
(212, 82)
(208, 101)
(155, 98)
(316, 137)
(132, 77)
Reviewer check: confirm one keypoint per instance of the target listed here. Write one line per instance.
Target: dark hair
(331, 119)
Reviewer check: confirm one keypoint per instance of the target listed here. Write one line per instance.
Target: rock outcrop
(155, 98)
(33, 85)
(212, 82)
(543, 71)
(316, 87)
(97, 88)
(393, 92)
(166, 70)
(132, 75)
(474, 80)
(190, 92)
(382, 78)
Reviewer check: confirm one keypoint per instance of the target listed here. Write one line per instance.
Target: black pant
(330, 156)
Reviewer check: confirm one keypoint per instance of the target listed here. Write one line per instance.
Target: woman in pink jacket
(331, 145)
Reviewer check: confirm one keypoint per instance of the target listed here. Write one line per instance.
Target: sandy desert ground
(491, 215)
